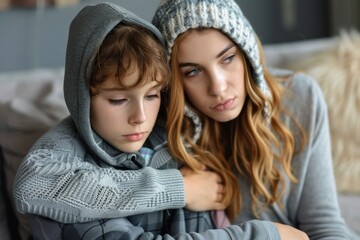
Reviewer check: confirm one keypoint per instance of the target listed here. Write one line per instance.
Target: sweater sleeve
(252, 230)
(69, 189)
(122, 228)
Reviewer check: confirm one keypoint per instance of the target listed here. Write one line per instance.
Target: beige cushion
(31, 102)
(338, 73)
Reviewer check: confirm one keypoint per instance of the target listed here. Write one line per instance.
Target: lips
(135, 136)
(223, 106)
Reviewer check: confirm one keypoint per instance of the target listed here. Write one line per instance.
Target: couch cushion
(31, 102)
(338, 72)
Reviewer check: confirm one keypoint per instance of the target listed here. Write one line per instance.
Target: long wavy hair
(246, 145)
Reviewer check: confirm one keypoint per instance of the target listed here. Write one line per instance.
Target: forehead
(129, 82)
(202, 44)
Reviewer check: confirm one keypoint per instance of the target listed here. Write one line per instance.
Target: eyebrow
(119, 89)
(230, 46)
(111, 89)
(227, 48)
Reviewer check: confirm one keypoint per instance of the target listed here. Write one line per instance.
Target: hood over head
(174, 17)
(87, 31)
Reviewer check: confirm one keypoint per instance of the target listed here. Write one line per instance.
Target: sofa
(31, 102)
(335, 64)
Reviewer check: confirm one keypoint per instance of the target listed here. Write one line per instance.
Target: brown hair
(127, 48)
(245, 145)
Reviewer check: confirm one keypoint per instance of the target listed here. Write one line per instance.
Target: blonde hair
(257, 151)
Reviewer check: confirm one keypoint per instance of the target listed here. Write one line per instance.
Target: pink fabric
(220, 219)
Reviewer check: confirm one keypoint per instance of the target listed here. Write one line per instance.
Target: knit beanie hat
(174, 17)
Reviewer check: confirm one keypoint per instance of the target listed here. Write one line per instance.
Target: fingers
(219, 197)
(219, 206)
(219, 188)
(288, 232)
(203, 167)
(184, 171)
(204, 190)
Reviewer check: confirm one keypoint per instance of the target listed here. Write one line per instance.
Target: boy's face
(125, 118)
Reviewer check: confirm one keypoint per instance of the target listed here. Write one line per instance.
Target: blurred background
(37, 28)
(279, 21)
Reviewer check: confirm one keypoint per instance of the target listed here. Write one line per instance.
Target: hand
(290, 233)
(203, 190)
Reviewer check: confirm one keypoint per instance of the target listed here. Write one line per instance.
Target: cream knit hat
(174, 17)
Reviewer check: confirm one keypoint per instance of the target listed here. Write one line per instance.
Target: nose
(217, 82)
(137, 115)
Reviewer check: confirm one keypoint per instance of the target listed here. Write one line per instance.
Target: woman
(264, 132)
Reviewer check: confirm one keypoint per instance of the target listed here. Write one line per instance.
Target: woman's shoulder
(300, 88)
(303, 97)
(298, 83)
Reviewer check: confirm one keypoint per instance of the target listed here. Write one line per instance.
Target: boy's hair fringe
(125, 49)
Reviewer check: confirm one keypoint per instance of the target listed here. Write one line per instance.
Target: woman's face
(213, 74)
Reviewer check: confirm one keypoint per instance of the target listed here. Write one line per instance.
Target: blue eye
(192, 72)
(229, 59)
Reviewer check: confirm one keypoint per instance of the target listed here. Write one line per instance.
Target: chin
(225, 117)
(130, 149)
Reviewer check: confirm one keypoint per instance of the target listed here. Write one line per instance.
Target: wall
(278, 21)
(33, 38)
(344, 15)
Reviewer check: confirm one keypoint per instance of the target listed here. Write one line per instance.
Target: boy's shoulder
(62, 138)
